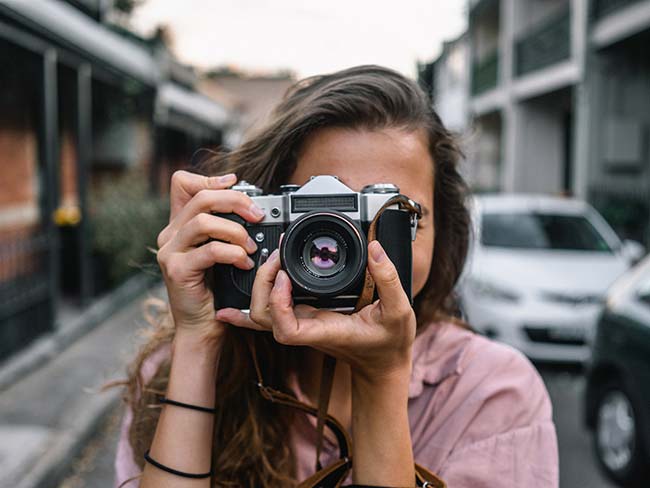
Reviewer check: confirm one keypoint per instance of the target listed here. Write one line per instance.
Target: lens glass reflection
(323, 254)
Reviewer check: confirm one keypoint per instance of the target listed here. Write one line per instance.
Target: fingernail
(256, 211)
(227, 178)
(250, 263)
(273, 257)
(376, 251)
(251, 246)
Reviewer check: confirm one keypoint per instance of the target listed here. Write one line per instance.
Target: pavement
(49, 415)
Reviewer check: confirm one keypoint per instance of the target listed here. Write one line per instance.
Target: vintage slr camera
(324, 248)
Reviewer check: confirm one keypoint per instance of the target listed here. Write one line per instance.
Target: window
(541, 231)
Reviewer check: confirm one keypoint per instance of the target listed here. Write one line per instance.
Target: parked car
(538, 270)
(617, 400)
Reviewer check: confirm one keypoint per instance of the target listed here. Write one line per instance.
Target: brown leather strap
(324, 392)
(330, 477)
(285, 399)
(368, 290)
(424, 477)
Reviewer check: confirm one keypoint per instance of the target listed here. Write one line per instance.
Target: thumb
(383, 271)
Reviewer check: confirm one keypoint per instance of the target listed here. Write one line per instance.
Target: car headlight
(492, 291)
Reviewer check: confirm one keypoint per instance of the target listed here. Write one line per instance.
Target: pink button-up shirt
(479, 413)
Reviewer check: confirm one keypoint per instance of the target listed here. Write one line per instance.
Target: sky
(307, 37)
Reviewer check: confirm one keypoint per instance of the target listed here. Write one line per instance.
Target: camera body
(324, 247)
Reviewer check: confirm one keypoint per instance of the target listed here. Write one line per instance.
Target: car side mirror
(633, 251)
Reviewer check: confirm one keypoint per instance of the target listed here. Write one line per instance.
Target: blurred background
(102, 100)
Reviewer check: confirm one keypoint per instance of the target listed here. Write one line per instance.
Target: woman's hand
(185, 250)
(376, 341)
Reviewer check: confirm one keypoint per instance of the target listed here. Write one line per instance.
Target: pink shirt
(479, 413)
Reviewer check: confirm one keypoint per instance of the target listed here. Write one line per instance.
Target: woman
(411, 383)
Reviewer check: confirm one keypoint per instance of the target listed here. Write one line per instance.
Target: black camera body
(324, 248)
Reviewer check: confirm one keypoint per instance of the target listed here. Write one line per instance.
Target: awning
(173, 99)
(68, 25)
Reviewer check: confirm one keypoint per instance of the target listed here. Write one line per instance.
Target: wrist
(382, 448)
(391, 374)
(391, 387)
(196, 350)
(197, 341)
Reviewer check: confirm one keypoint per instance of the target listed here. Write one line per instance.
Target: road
(578, 467)
(94, 468)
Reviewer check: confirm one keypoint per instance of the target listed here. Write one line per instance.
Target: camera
(324, 247)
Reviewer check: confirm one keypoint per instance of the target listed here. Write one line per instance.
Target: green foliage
(126, 220)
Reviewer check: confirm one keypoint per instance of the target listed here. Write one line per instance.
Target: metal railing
(485, 73)
(25, 291)
(546, 45)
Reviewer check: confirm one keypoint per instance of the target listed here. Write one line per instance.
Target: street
(578, 467)
(94, 468)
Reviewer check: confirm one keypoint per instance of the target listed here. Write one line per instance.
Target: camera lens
(324, 254)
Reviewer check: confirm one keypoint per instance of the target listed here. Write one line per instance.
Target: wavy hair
(250, 443)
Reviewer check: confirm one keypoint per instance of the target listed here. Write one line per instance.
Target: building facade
(559, 98)
(81, 102)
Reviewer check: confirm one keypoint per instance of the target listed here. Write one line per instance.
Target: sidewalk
(47, 417)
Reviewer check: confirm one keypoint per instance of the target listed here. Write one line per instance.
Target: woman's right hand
(185, 250)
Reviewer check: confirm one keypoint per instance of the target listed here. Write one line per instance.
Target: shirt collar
(437, 354)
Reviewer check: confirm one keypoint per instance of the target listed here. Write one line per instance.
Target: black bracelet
(187, 405)
(155, 463)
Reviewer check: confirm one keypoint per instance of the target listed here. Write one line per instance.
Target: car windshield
(541, 231)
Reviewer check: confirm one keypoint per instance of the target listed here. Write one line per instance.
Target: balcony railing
(478, 7)
(485, 74)
(602, 8)
(546, 45)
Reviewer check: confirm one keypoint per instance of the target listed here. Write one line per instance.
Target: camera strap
(334, 474)
(405, 203)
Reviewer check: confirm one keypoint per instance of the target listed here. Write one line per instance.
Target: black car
(617, 405)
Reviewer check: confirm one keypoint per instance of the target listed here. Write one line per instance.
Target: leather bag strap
(324, 392)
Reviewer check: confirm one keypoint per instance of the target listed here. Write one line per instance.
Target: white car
(537, 273)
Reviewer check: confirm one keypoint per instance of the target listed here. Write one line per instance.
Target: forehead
(361, 157)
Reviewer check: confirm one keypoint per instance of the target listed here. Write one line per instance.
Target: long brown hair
(250, 442)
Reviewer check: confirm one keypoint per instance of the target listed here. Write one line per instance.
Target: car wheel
(617, 438)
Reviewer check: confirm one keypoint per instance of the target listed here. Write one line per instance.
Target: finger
(393, 299)
(203, 227)
(184, 185)
(262, 286)
(220, 201)
(285, 323)
(238, 318)
(287, 328)
(215, 252)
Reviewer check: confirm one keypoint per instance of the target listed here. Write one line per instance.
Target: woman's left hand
(376, 341)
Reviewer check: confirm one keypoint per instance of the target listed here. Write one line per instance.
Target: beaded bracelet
(169, 470)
